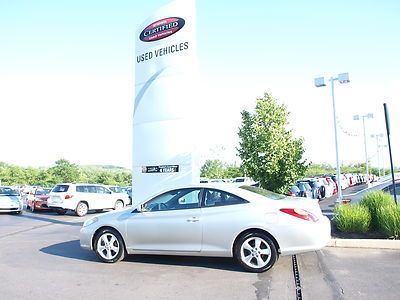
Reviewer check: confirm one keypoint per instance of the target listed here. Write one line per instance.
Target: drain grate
(296, 278)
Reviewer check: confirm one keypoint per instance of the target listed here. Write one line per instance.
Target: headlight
(90, 221)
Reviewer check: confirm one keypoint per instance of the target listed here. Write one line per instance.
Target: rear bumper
(316, 238)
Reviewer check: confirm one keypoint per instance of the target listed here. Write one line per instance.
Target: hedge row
(376, 212)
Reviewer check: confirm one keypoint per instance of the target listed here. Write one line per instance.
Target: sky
(67, 76)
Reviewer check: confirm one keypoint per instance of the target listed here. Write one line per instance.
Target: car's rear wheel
(109, 246)
(255, 252)
(61, 211)
(119, 205)
(81, 209)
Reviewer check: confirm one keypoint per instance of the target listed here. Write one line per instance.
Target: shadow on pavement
(226, 264)
(50, 220)
(70, 249)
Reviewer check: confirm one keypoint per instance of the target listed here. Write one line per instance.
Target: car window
(263, 192)
(60, 188)
(174, 200)
(102, 190)
(221, 198)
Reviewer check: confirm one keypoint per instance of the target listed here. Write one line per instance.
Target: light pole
(356, 118)
(378, 136)
(320, 82)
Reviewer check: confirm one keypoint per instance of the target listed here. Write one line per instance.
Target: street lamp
(320, 82)
(356, 118)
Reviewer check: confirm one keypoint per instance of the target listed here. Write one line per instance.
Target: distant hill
(105, 167)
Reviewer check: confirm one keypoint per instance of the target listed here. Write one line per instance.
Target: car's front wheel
(109, 246)
(81, 209)
(255, 252)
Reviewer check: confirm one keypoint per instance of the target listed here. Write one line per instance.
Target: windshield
(42, 192)
(7, 191)
(262, 192)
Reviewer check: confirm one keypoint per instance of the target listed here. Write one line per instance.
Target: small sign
(161, 169)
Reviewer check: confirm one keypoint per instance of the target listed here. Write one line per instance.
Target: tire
(119, 205)
(81, 209)
(61, 211)
(109, 246)
(255, 252)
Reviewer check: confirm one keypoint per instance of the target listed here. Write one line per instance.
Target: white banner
(164, 134)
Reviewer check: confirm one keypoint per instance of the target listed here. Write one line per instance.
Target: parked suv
(80, 197)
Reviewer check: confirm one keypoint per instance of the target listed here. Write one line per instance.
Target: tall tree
(64, 171)
(270, 153)
(213, 168)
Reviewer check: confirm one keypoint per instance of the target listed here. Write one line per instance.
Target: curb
(365, 243)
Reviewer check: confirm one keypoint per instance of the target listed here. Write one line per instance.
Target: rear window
(60, 188)
(262, 192)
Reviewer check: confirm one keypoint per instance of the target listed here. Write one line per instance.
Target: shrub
(352, 218)
(389, 221)
(374, 201)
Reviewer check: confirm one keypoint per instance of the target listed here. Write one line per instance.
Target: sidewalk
(365, 243)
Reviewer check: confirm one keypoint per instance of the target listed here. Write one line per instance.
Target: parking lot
(40, 258)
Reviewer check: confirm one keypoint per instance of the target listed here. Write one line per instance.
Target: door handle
(193, 219)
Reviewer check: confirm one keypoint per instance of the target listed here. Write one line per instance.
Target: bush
(389, 221)
(374, 201)
(352, 218)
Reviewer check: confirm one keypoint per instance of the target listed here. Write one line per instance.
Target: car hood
(7, 200)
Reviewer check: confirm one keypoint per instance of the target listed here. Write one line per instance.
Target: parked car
(294, 191)
(238, 181)
(389, 188)
(305, 189)
(315, 187)
(81, 197)
(37, 199)
(251, 224)
(326, 187)
(10, 200)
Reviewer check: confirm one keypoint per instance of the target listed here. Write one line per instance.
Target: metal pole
(377, 150)
(365, 149)
(390, 149)
(339, 186)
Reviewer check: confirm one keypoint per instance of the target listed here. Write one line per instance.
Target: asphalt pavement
(40, 258)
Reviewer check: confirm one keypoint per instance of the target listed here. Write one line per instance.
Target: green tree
(233, 171)
(270, 153)
(213, 168)
(64, 171)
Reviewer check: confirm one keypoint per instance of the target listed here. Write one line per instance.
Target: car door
(223, 216)
(168, 222)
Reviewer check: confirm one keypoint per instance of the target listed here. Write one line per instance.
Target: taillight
(291, 194)
(68, 197)
(300, 213)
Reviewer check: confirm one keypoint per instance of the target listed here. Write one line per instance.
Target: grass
(352, 218)
(375, 201)
(376, 212)
(389, 221)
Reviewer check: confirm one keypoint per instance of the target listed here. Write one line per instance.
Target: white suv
(80, 197)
